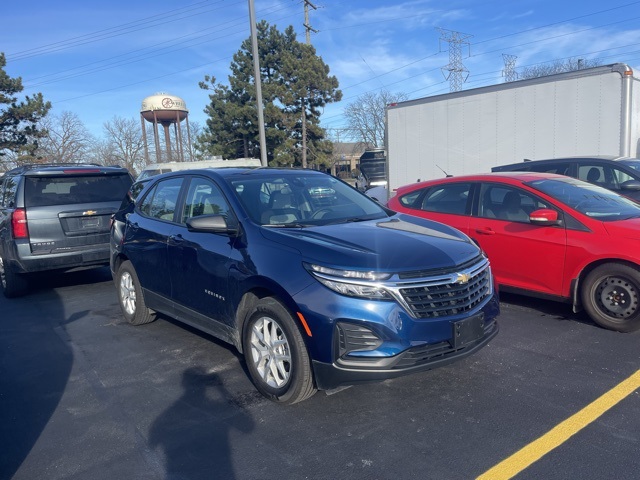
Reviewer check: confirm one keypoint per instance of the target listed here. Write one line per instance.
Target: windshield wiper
(287, 225)
(338, 221)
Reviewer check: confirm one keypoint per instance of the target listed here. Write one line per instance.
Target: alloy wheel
(271, 352)
(127, 293)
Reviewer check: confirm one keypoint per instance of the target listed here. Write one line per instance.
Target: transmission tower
(509, 73)
(457, 74)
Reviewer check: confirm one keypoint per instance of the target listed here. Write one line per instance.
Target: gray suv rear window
(44, 191)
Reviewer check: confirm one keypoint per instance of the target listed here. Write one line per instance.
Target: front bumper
(415, 359)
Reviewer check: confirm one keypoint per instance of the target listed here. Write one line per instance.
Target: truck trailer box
(594, 111)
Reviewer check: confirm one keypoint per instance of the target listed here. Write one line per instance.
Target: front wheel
(611, 297)
(13, 284)
(130, 296)
(276, 354)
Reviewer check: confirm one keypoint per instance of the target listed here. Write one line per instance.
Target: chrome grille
(443, 294)
(430, 301)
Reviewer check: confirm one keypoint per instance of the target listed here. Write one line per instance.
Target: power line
(124, 29)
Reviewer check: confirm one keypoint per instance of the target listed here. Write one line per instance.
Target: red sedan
(546, 235)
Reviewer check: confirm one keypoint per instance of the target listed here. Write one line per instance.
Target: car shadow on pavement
(194, 432)
(560, 311)
(35, 364)
(43, 281)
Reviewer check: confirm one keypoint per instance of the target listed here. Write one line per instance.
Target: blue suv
(317, 285)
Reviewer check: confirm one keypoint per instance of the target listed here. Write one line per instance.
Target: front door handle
(485, 231)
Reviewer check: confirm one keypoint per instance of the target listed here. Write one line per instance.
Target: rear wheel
(13, 284)
(611, 297)
(130, 296)
(276, 354)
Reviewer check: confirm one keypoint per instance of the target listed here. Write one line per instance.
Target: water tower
(166, 110)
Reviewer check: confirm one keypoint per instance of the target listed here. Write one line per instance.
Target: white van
(158, 168)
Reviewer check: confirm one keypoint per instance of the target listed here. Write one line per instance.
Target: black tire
(278, 362)
(130, 296)
(611, 297)
(13, 284)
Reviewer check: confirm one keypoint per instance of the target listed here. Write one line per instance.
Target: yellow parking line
(531, 453)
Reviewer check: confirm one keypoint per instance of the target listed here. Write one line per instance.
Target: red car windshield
(588, 199)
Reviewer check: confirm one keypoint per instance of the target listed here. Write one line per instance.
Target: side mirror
(544, 216)
(211, 224)
(633, 185)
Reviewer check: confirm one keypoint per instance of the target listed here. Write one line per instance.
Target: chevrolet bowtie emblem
(89, 212)
(462, 278)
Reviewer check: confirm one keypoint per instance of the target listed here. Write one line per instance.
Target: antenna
(442, 170)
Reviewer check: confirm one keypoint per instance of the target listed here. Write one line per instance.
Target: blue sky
(101, 59)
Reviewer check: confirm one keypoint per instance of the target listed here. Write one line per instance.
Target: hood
(629, 228)
(399, 243)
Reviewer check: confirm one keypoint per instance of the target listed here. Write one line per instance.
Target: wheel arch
(117, 261)
(576, 283)
(251, 298)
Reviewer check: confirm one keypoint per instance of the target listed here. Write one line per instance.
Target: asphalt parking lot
(84, 395)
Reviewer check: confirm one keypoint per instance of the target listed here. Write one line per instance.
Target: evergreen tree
(294, 79)
(19, 132)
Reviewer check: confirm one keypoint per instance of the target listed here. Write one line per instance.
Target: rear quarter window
(9, 192)
(409, 200)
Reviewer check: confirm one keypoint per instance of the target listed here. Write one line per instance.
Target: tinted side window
(161, 201)
(620, 176)
(602, 175)
(409, 200)
(204, 198)
(450, 198)
(9, 188)
(507, 203)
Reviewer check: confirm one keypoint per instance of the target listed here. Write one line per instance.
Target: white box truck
(158, 168)
(594, 111)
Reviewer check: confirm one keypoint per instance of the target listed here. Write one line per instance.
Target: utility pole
(509, 73)
(458, 74)
(308, 28)
(307, 25)
(258, 81)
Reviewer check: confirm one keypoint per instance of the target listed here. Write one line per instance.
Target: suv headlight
(354, 283)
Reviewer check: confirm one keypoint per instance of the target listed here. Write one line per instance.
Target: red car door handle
(485, 231)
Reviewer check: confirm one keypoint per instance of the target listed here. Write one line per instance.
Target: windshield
(588, 199)
(633, 163)
(297, 199)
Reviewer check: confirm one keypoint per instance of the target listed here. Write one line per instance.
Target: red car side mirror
(544, 216)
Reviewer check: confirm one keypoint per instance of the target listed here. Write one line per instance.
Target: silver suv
(56, 217)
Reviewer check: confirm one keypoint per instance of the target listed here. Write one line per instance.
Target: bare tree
(197, 151)
(559, 66)
(102, 153)
(66, 140)
(366, 116)
(125, 144)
